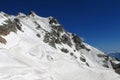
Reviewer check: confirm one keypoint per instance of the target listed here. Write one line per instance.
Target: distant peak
(2, 12)
(32, 14)
(3, 15)
(51, 17)
(21, 14)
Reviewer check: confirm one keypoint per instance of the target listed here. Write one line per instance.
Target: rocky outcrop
(116, 66)
(66, 40)
(52, 20)
(2, 40)
(64, 50)
(79, 43)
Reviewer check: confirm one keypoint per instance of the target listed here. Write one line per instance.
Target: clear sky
(97, 21)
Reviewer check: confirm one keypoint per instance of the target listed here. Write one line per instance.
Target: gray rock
(87, 64)
(57, 41)
(53, 20)
(77, 41)
(38, 35)
(64, 50)
(52, 43)
(46, 38)
(82, 59)
(71, 54)
(66, 40)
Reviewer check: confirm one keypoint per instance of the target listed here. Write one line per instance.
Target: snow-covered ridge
(38, 48)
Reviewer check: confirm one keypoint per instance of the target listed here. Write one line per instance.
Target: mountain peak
(32, 14)
(21, 14)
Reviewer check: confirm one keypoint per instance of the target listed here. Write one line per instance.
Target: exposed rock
(38, 25)
(64, 50)
(17, 20)
(116, 67)
(106, 57)
(54, 33)
(38, 35)
(46, 38)
(59, 28)
(5, 29)
(105, 65)
(117, 70)
(19, 28)
(17, 23)
(57, 41)
(53, 20)
(52, 43)
(2, 40)
(82, 59)
(84, 47)
(87, 64)
(32, 13)
(66, 40)
(78, 41)
(71, 54)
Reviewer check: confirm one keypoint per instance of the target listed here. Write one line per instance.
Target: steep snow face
(38, 48)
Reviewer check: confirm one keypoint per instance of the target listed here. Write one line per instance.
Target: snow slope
(27, 56)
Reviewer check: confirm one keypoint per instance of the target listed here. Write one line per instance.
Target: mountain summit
(38, 48)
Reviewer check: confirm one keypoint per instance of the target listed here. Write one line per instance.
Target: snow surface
(27, 57)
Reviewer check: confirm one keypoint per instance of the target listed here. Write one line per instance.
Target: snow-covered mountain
(38, 48)
(115, 55)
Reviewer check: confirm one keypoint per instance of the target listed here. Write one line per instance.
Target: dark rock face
(11, 26)
(2, 40)
(105, 65)
(71, 54)
(84, 47)
(55, 25)
(17, 23)
(57, 41)
(46, 38)
(52, 43)
(87, 64)
(78, 43)
(64, 50)
(51, 38)
(38, 35)
(106, 59)
(38, 26)
(7, 28)
(53, 20)
(32, 13)
(58, 28)
(82, 59)
(76, 39)
(66, 40)
(116, 67)
(57, 36)
(54, 33)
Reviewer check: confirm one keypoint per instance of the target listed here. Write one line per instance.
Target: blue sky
(97, 21)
